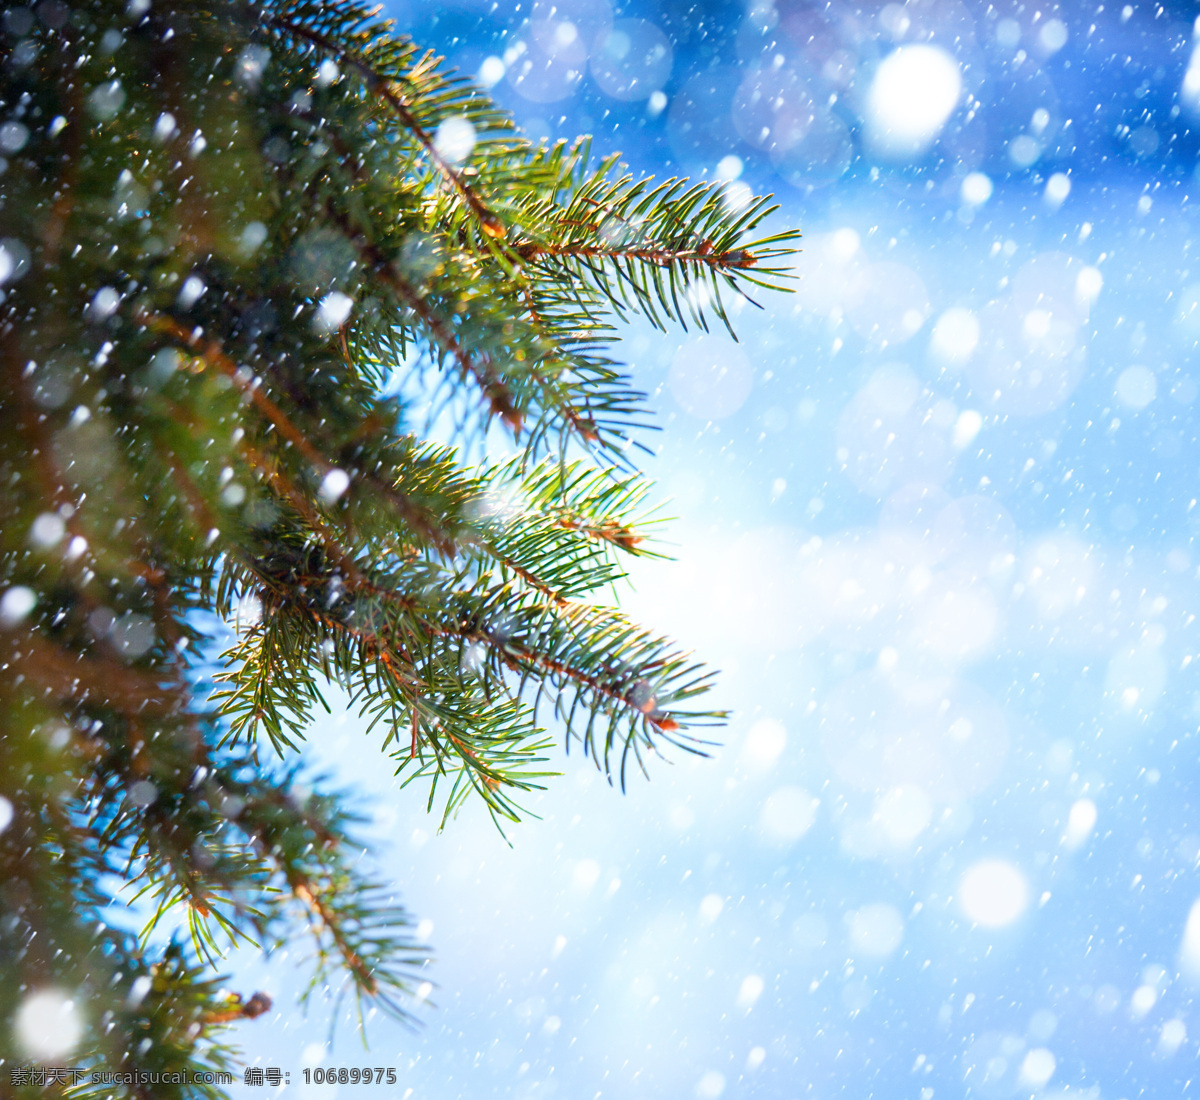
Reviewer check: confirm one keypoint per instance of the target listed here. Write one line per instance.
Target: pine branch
(209, 293)
(382, 86)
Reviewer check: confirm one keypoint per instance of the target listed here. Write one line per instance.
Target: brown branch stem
(484, 373)
(305, 891)
(739, 258)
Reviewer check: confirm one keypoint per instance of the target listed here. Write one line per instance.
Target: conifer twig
(488, 221)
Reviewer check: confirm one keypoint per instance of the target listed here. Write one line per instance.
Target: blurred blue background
(936, 524)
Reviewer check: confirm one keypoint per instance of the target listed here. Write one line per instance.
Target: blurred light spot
(976, 189)
(6, 813)
(895, 20)
(1144, 998)
(16, 603)
(312, 1054)
(1189, 950)
(1058, 187)
(551, 1025)
(47, 530)
(755, 1058)
(584, 877)
(104, 304)
(915, 90)
(773, 110)
(1036, 324)
(966, 428)
(106, 100)
(14, 259)
(843, 245)
(1172, 1037)
(955, 336)
(711, 1085)
(1008, 33)
(729, 168)
(1144, 141)
(143, 793)
(327, 73)
(821, 157)
(1024, 150)
(547, 59)
(1038, 1067)
(632, 61)
(491, 72)
(332, 312)
(251, 64)
(1088, 284)
(1053, 36)
(787, 814)
(424, 930)
(736, 196)
(765, 742)
(1080, 823)
(1189, 92)
(903, 813)
(502, 503)
(334, 485)
(48, 1025)
(749, 992)
(13, 136)
(454, 139)
(993, 893)
(165, 127)
(875, 930)
(138, 989)
(253, 236)
(1136, 387)
(710, 907)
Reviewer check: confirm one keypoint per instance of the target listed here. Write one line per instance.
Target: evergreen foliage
(228, 232)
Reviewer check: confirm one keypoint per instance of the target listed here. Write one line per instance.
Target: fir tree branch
(484, 372)
(380, 85)
(211, 353)
(703, 255)
(175, 407)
